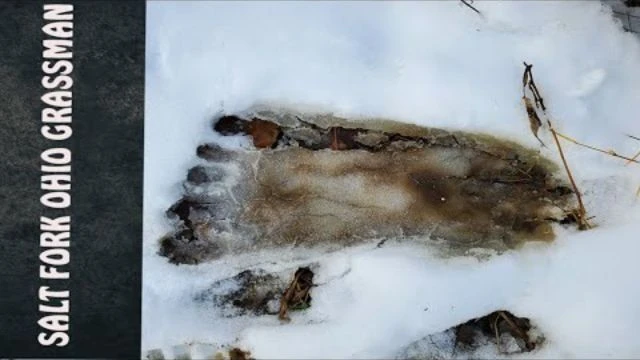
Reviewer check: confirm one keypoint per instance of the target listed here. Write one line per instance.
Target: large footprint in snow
(320, 181)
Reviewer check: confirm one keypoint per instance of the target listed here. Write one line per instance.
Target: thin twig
(638, 153)
(610, 152)
(633, 158)
(534, 89)
(633, 137)
(471, 7)
(582, 212)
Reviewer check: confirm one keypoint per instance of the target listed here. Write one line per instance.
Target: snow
(430, 63)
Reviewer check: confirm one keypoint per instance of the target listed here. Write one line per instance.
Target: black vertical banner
(73, 281)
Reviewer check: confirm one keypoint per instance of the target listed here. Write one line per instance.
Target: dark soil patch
(239, 354)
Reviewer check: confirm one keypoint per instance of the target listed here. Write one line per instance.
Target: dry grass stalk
(516, 331)
(612, 153)
(634, 157)
(527, 81)
(297, 295)
(495, 327)
(607, 152)
(581, 212)
(515, 328)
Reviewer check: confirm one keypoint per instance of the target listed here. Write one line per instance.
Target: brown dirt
(238, 354)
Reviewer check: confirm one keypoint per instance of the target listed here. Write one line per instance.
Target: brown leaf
(534, 120)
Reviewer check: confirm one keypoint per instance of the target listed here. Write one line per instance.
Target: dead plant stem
(582, 212)
(610, 153)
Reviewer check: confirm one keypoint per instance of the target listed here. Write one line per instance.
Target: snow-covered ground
(430, 63)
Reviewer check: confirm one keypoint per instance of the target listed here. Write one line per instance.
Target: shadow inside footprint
(498, 333)
(317, 180)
